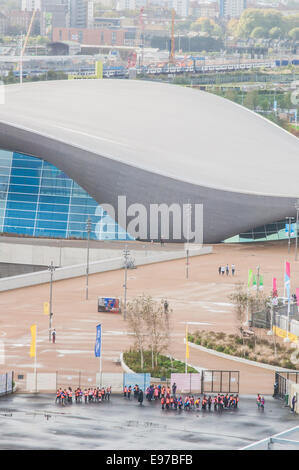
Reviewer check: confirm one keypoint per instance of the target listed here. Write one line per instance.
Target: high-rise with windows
(181, 7)
(80, 13)
(231, 8)
(31, 5)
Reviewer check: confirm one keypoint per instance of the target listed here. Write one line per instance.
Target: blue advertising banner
(290, 229)
(98, 345)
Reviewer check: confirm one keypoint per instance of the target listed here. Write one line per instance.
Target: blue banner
(290, 229)
(98, 345)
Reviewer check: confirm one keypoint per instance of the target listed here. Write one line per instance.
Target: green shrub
(227, 350)
(220, 348)
(198, 341)
(288, 364)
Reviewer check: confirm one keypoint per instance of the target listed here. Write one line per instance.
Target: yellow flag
(187, 345)
(33, 341)
(46, 308)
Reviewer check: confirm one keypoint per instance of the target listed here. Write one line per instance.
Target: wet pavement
(36, 422)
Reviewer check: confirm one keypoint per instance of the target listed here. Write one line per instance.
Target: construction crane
(28, 32)
(172, 42)
(140, 36)
(23, 46)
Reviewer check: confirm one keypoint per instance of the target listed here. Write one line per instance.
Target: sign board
(109, 304)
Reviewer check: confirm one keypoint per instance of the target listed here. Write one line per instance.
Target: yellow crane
(172, 49)
(23, 47)
(28, 32)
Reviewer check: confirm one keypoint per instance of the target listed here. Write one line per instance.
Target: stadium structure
(67, 147)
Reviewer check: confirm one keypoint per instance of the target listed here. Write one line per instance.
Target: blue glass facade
(38, 199)
(269, 232)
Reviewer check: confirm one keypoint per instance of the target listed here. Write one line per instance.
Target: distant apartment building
(204, 10)
(30, 5)
(94, 37)
(3, 23)
(54, 14)
(130, 4)
(126, 5)
(20, 19)
(231, 8)
(80, 13)
(181, 7)
(102, 23)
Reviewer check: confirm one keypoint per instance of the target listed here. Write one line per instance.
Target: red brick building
(94, 37)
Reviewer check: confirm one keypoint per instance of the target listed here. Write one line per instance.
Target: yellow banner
(187, 345)
(46, 308)
(283, 334)
(99, 69)
(33, 341)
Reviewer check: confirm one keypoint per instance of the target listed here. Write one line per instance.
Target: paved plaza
(202, 300)
(35, 422)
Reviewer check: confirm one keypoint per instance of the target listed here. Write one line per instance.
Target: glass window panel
(56, 182)
(52, 216)
(18, 222)
(53, 207)
(55, 191)
(20, 213)
(77, 226)
(24, 180)
(54, 199)
(4, 170)
(50, 225)
(21, 197)
(25, 172)
(25, 205)
(4, 179)
(20, 230)
(5, 155)
(41, 232)
(26, 163)
(88, 210)
(23, 189)
(81, 218)
(77, 234)
(21, 156)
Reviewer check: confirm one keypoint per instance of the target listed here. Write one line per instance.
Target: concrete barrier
(110, 264)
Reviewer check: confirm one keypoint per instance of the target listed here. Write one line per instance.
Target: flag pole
(187, 348)
(35, 363)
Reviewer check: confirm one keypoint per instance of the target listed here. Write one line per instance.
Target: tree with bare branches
(150, 324)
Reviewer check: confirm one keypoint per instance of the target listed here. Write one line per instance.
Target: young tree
(135, 317)
(149, 321)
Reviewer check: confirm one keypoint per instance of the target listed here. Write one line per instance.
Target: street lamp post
(88, 229)
(297, 215)
(289, 219)
(126, 253)
(188, 238)
(51, 268)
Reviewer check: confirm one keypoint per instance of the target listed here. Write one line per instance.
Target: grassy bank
(165, 366)
(254, 349)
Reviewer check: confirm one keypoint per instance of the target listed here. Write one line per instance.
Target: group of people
(225, 269)
(218, 402)
(136, 390)
(169, 400)
(96, 395)
(260, 401)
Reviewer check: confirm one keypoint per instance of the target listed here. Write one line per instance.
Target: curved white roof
(186, 134)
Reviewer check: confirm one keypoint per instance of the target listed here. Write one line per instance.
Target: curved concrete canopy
(158, 143)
